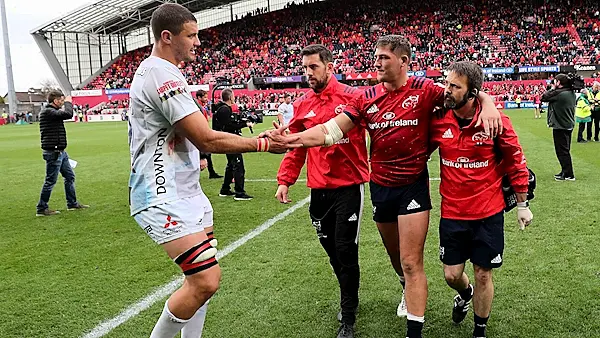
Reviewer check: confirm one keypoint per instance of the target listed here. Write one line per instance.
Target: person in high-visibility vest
(583, 116)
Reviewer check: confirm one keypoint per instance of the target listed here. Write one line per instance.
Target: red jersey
(472, 166)
(342, 164)
(398, 122)
(204, 111)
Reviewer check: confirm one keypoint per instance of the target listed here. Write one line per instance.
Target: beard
(451, 103)
(320, 84)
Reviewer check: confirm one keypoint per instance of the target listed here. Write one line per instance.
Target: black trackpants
(336, 215)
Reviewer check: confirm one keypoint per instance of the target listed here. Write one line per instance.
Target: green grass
(60, 276)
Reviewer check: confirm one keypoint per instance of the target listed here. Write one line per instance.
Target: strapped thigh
(198, 258)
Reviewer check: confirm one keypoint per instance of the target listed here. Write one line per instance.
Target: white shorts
(537, 105)
(169, 221)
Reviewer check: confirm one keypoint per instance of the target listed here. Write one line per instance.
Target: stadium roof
(117, 16)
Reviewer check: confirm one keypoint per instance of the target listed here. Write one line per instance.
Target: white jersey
(165, 167)
(287, 111)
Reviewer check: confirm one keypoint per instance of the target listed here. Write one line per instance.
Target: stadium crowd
(507, 33)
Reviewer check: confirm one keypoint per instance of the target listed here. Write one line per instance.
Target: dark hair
(396, 43)
(54, 94)
(563, 79)
(324, 54)
(471, 70)
(226, 94)
(286, 96)
(170, 17)
(200, 93)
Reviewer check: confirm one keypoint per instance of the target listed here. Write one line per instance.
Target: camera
(575, 81)
(249, 116)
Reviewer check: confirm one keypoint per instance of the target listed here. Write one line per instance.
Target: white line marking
(162, 292)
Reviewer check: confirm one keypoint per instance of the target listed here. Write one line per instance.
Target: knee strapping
(198, 258)
(211, 237)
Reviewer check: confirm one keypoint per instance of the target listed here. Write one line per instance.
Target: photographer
(54, 141)
(561, 118)
(224, 119)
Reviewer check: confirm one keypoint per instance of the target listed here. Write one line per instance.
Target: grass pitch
(60, 276)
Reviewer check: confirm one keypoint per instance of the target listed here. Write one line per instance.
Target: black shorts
(390, 202)
(481, 241)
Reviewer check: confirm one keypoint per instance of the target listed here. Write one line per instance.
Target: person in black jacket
(561, 118)
(224, 119)
(202, 100)
(54, 142)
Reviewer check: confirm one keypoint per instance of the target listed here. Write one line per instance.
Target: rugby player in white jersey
(166, 130)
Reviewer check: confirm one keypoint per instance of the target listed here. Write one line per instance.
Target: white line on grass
(162, 292)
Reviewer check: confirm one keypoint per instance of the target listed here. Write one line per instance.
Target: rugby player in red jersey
(472, 166)
(397, 113)
(336, 176)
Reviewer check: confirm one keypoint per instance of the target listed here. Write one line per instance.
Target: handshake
(278, 140)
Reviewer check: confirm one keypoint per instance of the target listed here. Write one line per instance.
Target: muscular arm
(195, 128)
(315, 136)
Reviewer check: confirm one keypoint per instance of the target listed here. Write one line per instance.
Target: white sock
(167, 325)
(414, 318)
(193, 329)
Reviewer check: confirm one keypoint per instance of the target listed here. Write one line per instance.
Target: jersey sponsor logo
(448, 134)
(171, 88)
(410, 102)
(389, 115)
(170, 222)
(464, 163)
(480, 137)
(310, 114)
(373, 109)
(340, 109)
(159, 177)
(390, 124)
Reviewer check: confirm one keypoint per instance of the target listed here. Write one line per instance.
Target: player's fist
(282, 194)
(68, 99)
(203, 164)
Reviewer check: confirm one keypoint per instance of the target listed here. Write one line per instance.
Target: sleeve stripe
(419, 83)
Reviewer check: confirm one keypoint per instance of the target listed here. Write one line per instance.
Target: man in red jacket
(397, 113)
(336, 176)
(472, 166)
